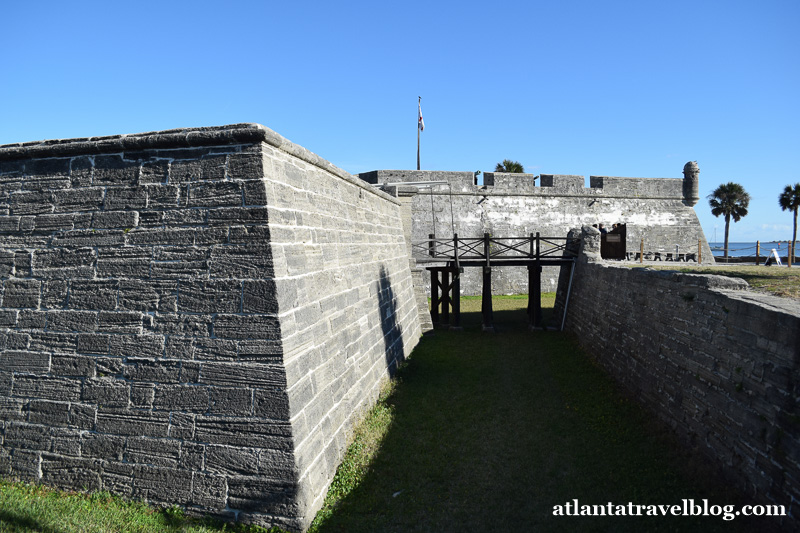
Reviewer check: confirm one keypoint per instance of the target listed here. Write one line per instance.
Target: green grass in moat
(488, 432)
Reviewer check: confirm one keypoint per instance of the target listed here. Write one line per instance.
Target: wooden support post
(486, 294)
(486, 300)
(435, 300)
(456, 300)
(535, 295)
(789, 256)
(445, 297)
(641, 251)
(699, 251)
(758, 251)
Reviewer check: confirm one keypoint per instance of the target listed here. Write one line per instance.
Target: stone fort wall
(717, 363)
(194, 317)
(658, 210)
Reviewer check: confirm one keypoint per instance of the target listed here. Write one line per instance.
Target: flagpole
(419, 108)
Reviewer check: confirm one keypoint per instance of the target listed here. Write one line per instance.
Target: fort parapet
(657, 211)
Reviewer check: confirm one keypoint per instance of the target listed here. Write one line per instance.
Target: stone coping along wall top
(175, 139)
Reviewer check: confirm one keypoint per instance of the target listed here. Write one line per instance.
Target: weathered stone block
(82, 416)
(158, 452)
(120, 322)
(115, 219)
(248, 432)
(148, 295)
(181, 398)
(136, 346)
(114, 170)
(107, 447)
(124, 262)
(142, 395)
(215, 194)
(118, 477)
(162, 484)
(67, 320)
(134, 423)
(245, 166)
(90, 238)
(255, 494)
(33, 437)
(92, 343)
(63, 263)
(271, 404)
(161, 196)
(227, 460)
(66, 441)
(185, 325)
(22, 293)
(259, 297)
(210, 491)
(77, 200)
(48, 413)
(47, 388)
(206, 349)
(182, 426)
(238, 215)
(126, 198)
(51, 223)
(241, 261)
(154, 172)
(30, 203)
(231, 401)
(153, 237)
(71, 365)
(212, 296)
(54, 294)
(149, 370)
(242, 375)
(246, 327)
(93, 294)
(263, 350)
(25, 361)
(62, 471)
(209, 168)
(45, 341)
(107, 392)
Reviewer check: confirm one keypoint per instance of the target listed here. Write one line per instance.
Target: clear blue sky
(619, 88)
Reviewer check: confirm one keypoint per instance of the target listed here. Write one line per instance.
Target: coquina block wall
(658, 210)
(719, 364)
(194, 317)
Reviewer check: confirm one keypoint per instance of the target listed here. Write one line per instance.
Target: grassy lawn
(479, 432)
(30, 508)
(777, 280)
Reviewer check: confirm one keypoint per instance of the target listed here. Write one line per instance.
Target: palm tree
(729, 199)
(789, 200)
(509, 166)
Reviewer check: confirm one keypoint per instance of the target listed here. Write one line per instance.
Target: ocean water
(739, 249)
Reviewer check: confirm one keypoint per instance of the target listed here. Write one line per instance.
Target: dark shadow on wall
(392, 331)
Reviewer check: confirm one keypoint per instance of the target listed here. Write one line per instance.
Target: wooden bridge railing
(488, 249)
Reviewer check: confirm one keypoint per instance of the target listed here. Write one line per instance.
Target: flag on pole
(421, 123)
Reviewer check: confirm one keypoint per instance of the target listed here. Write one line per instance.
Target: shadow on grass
(491, 432)
(10, 521)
